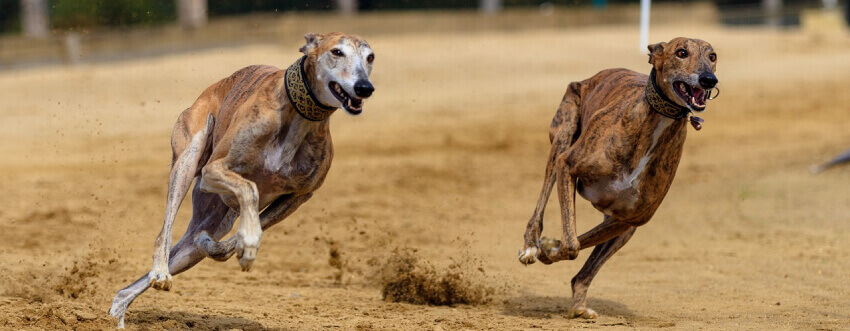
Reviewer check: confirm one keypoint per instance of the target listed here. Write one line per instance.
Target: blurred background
(52, 31)
(446, 160)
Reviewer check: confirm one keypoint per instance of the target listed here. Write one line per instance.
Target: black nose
(363, 88)
(707, 80)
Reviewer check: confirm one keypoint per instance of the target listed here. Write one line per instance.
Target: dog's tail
(568, 111)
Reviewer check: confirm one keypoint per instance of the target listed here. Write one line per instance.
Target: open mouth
(692, 95)
(353, 105)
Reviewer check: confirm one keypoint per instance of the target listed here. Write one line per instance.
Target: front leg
(217, 178)
(280, 209)
(553, 250)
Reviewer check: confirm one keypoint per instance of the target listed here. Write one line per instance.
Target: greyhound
(617, 138)
(258, 145)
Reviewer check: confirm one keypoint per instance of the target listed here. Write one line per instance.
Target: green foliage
(65, 14)
(79, 14)
(230, 7)
(10, 13)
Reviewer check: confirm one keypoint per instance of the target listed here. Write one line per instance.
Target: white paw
(120, 304)
(527, 255)
(160, 279)
(118, 310)
(585, 313)
(247, 248)
(550, 246)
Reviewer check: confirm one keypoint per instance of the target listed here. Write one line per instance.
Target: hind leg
(280, 209)
(210, 215)
(217, 221)
(188, 140)
(562, 134)
(555, 250)
(581, 281)
(529, 251)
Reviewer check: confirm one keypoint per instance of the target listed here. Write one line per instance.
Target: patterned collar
(661, 103)
(300, 95)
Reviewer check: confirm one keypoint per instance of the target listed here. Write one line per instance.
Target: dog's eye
(336, 52)
(682, 53)
(370, 58)
(712, 57)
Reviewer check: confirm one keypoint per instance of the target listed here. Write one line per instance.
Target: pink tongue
(699, 96)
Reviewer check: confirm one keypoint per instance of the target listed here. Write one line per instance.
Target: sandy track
(448, 159)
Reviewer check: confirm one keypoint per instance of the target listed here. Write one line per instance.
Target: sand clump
(336, 261)
(54, 300)
(405, 277)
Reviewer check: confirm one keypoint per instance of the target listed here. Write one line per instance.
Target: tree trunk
(192, 13)
(346, 7)
(773, 12)
(490, 6)
(34, 18)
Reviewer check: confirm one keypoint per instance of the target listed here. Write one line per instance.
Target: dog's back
(609, 90)
(220, 100)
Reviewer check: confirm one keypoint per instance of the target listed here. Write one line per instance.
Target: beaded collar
(661, 103)
(300, 95)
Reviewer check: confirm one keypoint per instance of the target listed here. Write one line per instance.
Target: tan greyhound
(617, 139)
(256, 141)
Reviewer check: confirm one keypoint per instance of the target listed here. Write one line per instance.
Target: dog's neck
(661, 103)
(299, 80)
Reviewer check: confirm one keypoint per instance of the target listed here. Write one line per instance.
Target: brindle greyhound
(256, 141)
(617, 139)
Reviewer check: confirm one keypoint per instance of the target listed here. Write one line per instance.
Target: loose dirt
(447, 159)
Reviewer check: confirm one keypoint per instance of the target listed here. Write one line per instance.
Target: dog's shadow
(547, 307)
(181, 320)
(536, 306)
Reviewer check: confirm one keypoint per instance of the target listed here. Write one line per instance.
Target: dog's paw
(246, 251)
(528, 254)
(219, 251)
(119, 308)
(249, 254)
(584, 312)
(550, 246)
(160, 279)
(554, 250)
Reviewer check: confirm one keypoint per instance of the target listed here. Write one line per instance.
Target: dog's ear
(655, 52)
(313, 41)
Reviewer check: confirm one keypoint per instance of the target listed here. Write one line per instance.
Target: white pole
(644, 25)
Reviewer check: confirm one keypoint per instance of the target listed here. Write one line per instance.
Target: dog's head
(684, 70)
(341, 65)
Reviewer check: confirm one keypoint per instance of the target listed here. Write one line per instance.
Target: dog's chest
(296, 161)
(640, 182)
(630, 177)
